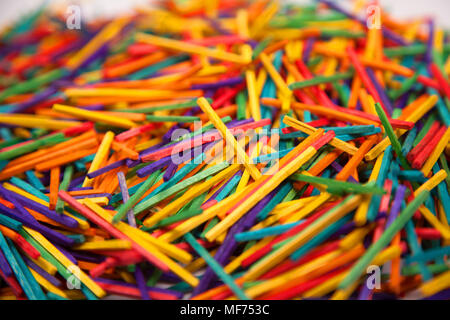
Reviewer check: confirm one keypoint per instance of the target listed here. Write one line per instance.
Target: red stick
(443, 83)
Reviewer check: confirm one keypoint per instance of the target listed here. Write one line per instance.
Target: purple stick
(107, 168)
(384, 98)
(140, 281)
(33, 224)
(53, 280)
(170, 171)
(86, 256)
(63, 219)
(430, 43)
(35, 99)
(4, 266)
(308, 49)
(67, 254)
(396, 204)
(154, 166)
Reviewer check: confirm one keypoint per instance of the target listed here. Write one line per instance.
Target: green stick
(172, 119)
(32, 146)
(33, 84)
(321, 80)
(68, 172)
(392, 137)
(340, 186)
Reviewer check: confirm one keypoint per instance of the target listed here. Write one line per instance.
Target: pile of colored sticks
(225, 149)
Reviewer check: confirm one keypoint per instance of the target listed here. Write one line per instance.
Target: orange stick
(6, 203)
(131, 66)
(396, 278)
(127, 152)
(354, 94)
(54, 187)
(37, 154)
(357, 158)
(413, 106)
(22, 167)
(64, 159)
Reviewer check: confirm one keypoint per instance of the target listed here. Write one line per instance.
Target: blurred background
(11, 10)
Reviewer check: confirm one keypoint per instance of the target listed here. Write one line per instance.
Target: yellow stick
(190, 48)
(310, 207)
(33, 121)
(354, 237)
(242, 156)
(44, 264)
(277, 79)
(242, 23)
(435, 285)
(102, 201)
(236, 263)
(100, 157)
(431, 183)
(253, 100)
(95, 116)
(105, 35)
(119, 92)
(292, 205)
(114, 244)
(293, 274)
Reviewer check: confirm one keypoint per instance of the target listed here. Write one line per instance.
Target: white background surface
(13, 9)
